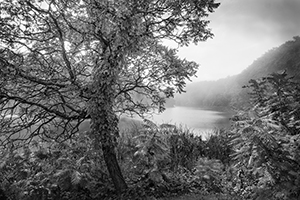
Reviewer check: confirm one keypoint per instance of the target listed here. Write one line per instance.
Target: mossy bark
(104, 120)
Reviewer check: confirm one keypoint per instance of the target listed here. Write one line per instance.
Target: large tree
(66, 61)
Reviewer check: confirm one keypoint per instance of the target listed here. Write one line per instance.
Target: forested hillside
(228, 91)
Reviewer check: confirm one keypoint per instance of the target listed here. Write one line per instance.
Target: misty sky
(244, 30)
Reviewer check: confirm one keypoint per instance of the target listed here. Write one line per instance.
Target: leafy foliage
(62, 171)
(266, 137)
(64, 62)
(218, 146)
(50, 52)
(185, 149)
(172, 159)
(156, 160)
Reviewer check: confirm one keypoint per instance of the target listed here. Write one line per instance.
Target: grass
(168, 153)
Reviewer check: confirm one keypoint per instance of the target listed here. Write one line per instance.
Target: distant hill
(228, 91)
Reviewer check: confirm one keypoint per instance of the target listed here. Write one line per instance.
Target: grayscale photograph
(149, 99)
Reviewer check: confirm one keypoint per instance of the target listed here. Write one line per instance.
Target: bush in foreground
(156, 161)
(266, 142)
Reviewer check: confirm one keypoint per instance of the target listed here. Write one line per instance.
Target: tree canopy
(63, 62)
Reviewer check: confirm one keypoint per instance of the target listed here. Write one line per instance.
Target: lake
(201, 120)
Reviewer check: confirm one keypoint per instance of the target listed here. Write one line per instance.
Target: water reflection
(201, 121)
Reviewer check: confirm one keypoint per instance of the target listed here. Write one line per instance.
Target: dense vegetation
(266, 144)
(65, 62)
(228, 91)
(156, 161)
(257, 159)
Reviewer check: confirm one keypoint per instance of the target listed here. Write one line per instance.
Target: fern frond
(64, 161)
(76, 177)
(63, 179)
(80, 161)
(141, 138)
(149, 124)
(62, 173)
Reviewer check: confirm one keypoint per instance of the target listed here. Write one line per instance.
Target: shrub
(167, 160)
(46, 170)
(185, 149)
(156, 161)
(218, 146)
(266, 139)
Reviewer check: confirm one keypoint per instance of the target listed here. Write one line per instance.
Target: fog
(244, 30)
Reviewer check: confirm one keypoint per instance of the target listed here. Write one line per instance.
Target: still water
(201, 121)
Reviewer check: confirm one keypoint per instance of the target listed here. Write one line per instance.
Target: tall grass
(156, 158)
(184, 148)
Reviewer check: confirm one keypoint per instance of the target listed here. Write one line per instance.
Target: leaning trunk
(114, 168)
(104, 120)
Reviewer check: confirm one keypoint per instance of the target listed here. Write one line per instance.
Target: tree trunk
(104, 120)
(104, 137)
(114, 169)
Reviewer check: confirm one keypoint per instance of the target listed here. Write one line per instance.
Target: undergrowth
(257, 159)
(156, 161)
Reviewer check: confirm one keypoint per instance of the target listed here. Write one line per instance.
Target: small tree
(64, 62)
(266, 139)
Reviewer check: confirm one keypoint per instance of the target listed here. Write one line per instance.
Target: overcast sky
(244, 30)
